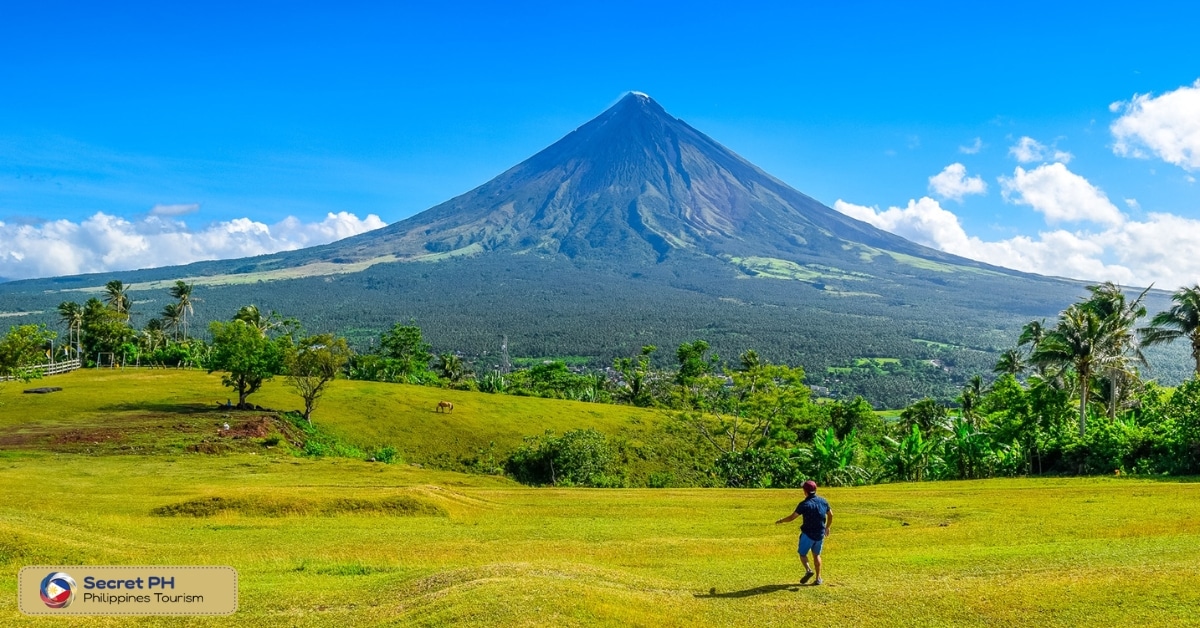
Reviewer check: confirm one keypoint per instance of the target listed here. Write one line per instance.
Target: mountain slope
(633, 229)
(638, 185)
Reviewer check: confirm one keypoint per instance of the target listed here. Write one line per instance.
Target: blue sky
(226, 129)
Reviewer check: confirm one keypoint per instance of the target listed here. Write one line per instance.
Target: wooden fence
(53, 368)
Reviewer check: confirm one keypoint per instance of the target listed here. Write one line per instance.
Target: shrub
(577, 458)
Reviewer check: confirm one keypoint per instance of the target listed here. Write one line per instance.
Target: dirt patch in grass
(392, 506)
(151, 433)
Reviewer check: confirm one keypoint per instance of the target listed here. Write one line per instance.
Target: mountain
(634, 184)
(634, 229)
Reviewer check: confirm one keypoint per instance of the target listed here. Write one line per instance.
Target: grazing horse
(444, 406)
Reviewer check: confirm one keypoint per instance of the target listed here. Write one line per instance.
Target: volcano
(638, 185)
(633, 229)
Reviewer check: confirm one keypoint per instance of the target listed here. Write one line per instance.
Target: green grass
(484, 552)
(862, 363)
(772, 268)
(168, 410)
(343, 542)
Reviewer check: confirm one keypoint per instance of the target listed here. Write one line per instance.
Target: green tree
(831, 461)
(71, 314)
(22, 348)
(245, 356)
(1120, 315)
(404, 344)
(970, 399)
(273, 322)
(928, 416)
(105, 330)
(171, 319)
(311, 364)
(452, 368)
(1181, 320)
(1082, 340)
(182, 293)
(1011, 362)
(911, 457)
(637, 377)
(116, 297)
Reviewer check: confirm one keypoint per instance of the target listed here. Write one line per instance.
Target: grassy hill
(108, 471)
(168, 411)
(483, 552)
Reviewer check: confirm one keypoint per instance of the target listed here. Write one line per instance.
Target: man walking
(814, 527)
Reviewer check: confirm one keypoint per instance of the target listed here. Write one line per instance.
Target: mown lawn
(1066, 552)
(85, 477)
(367, 414)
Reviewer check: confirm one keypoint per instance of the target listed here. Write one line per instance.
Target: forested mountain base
(942, 326)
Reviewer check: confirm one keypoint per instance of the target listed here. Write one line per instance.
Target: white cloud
(1132, 203)
(1167, 126)
(174, 210)
(1028, 150)
(973, 148)
(1163, 250)
(1060, 195)
(953, 183)
(104, 243)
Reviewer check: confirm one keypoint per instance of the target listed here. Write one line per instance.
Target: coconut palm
(116, 296)
(1121, 314)
(1011, 362)
(71, 314)
(1082, 339)
(182, 293)
(451, 367)
(1182, 320)
(972, 396)
(1032, 334)
(172, 318)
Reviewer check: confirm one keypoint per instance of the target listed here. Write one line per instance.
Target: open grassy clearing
(474, 550)
(165, 410)
(134, 467)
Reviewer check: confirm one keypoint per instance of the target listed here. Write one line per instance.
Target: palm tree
(172, 318)
(1083, 340)
(1182, 320)
(182, 293)
(972, 396)
(1109, 302)
(451, 367)
(1011, 362)
(116, 296)
(71, 314)
(1032, 334)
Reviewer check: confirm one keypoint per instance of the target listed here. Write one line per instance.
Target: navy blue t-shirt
(813, 509)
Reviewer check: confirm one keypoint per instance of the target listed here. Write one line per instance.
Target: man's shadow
(762, 590)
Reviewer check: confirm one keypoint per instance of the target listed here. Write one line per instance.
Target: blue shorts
(807, 544)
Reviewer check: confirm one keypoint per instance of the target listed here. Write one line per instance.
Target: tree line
(1068, 398)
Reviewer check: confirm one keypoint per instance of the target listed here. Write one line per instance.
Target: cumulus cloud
(1060, 195)
(174, 210)
(104, 243)
(1164, 249)
(1167, 127)
(953, 183)
(1028, 150)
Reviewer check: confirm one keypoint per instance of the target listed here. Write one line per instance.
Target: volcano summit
(633, 229)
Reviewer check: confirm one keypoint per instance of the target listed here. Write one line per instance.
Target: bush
(387, 454)
(577, 458)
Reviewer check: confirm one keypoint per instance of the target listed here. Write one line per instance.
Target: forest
(1068, 397)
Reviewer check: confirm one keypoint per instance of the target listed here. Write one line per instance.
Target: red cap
(809, 486)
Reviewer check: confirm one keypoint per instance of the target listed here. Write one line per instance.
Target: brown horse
(444, 406)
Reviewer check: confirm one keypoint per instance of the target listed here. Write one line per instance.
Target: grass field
(482, 551)
(129, 408)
